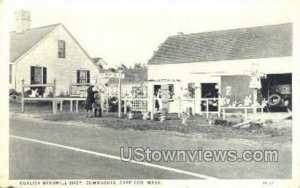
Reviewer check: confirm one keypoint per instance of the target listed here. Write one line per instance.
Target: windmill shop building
(217, 64)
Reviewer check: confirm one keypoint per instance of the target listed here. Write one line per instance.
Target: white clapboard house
(40, 55)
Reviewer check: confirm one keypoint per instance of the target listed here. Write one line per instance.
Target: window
(171, 90)
(10, 74)
(61, 49)
(167, 90)
(83, 76)
(38, 75)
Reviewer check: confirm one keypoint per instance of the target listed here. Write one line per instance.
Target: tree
(123, 67)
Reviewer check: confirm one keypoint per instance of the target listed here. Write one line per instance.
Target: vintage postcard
(132, 93)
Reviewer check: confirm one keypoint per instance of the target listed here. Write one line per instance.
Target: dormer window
(61, 49)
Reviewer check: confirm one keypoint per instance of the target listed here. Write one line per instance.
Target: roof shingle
(20, 43)
(246, 43)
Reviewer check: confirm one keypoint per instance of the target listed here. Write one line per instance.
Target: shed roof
(246, 43)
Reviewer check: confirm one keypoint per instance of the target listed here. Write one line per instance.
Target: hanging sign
(112, 75)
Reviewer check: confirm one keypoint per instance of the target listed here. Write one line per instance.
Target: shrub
(14, 92)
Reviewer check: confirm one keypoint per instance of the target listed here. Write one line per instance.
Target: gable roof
(20, 43)
(99, 62)
(76, 41)
(246, 43)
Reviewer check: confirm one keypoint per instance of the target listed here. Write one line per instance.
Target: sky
(129, 31)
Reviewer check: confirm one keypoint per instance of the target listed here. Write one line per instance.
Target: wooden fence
(55, 100)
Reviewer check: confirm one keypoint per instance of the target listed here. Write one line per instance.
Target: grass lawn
(197, 125)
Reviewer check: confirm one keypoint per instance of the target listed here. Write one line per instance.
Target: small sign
(78, 91)
(255, 82)
(112, 75)
(228, 91)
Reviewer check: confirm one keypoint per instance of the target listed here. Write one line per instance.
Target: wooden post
(207, 106)
(194, 107)
(22, 105)
(179, 107)
(54, 87)
(245, 112)
(61, 105)
(219, 98)
(54, 106)
(71, 105)
(77, 103)
(223, 113)
(125, 105)
(152, 106)
(101, 104)
(119, 100)
(70, 89)
(107, 106)
(219, 106)
(22, 97)
(254, 100)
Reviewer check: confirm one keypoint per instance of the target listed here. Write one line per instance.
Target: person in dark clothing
(90, 100)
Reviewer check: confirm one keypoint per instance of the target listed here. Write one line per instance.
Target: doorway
(210, 92)
(277, 90)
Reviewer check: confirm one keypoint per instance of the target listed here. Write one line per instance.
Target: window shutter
(88, 76)
(64, 49)
(78, 76)
(44, 75)
(31, 75)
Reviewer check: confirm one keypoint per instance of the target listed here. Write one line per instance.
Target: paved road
(51, 150)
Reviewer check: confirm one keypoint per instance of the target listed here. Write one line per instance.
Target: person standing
(97, 105)
(159, 100)
(90, 100)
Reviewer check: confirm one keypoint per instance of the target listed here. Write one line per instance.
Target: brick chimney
(23, 21)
